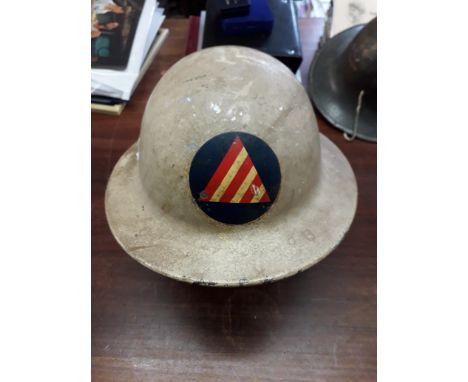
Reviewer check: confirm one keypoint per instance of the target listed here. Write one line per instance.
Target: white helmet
(231, 182)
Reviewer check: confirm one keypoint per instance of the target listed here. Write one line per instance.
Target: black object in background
(103, 100)
(283, 43)
(231, 8)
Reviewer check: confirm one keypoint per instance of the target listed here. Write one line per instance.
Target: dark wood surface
(317, 326)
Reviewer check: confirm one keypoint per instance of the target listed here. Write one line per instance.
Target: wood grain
(317, 326)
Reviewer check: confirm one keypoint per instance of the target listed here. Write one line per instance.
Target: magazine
(113, 28)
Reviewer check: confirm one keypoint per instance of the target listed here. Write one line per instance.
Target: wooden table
(317, 326)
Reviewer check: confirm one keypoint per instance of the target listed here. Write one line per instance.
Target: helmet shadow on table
(243, 320)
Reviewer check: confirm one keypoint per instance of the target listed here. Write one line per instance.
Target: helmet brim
(218, 254)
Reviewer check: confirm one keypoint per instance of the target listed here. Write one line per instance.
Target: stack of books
(126, 35)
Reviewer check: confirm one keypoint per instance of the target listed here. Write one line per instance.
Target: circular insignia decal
(235, 177)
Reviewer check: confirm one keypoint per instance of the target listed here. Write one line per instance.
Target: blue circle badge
(235, 177)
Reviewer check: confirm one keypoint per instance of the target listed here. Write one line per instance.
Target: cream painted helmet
(230, 182)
